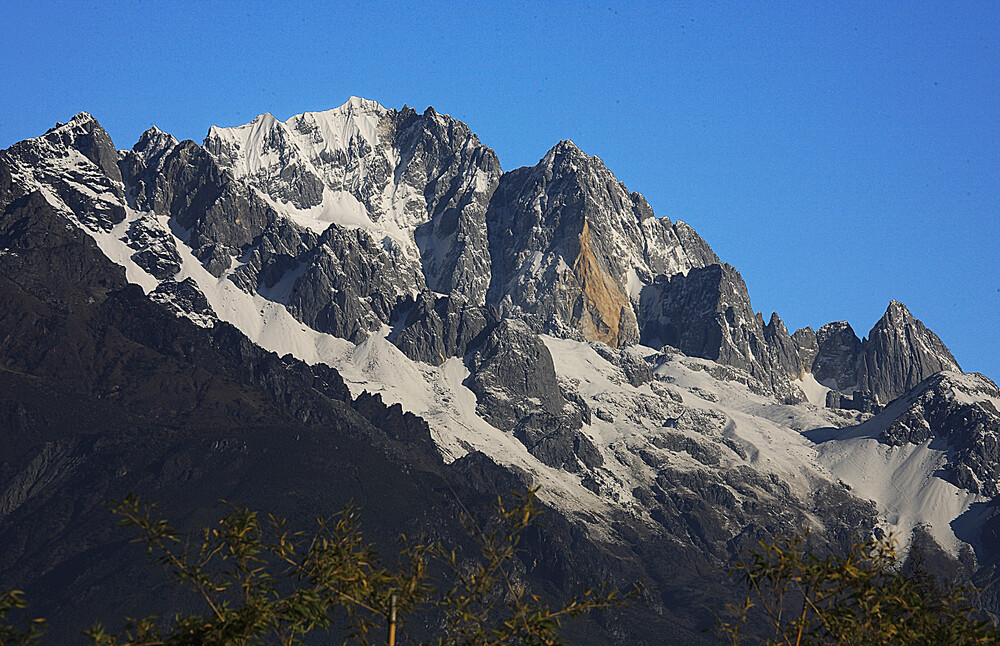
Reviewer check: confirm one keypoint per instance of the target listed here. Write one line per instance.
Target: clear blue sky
(838, 154)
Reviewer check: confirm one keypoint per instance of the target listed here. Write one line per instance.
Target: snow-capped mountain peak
(362, 166)
(152, 144)
(543, 317)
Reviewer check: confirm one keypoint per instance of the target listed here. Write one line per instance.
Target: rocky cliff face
(517, 391)
(434, 328)
(707, 313)
(572, 247)
(71, 163)
(786, 353)
(806, 347)
(340, 281)
(900, 352)
(838, 352)
(222, 216)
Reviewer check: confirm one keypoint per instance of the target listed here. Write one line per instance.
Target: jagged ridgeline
(360, 305)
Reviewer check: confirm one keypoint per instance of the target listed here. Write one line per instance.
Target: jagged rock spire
(899, 353)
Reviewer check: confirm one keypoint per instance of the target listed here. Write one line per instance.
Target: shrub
(860, 597)
(262, 583)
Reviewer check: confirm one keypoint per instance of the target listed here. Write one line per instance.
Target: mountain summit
(573, 247)
(899, 353)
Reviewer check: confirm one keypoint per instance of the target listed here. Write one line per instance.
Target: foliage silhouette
(861, 597)
(13, 600)
(262, 583)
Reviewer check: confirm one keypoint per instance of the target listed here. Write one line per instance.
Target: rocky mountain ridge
(567, 247)
(542, 319)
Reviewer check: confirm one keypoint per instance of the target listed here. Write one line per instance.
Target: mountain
(573, 246)
(422, 181)
(359, 305)
(899, 353)
(943, 432)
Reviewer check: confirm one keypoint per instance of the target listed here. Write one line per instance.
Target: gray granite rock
(435, 328)
(77, 163)
(348, 285)
(571, 246)
(958, 409)
(185, 299)
(691, 313)
(274, 257)
(221, 216)
(155, 250)
(287, 176)
(899, 353)
(696, 250)
(550, 440)
(140, 166)
(516, 390)
(513, 375)
(456, 176)
(707, 314)
(838, 352)
(806, 347)
(858, 401)
(786, 353)
(635, 369)
(341, 282)
(86, 136)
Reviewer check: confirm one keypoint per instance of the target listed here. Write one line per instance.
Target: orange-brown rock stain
(600, 318)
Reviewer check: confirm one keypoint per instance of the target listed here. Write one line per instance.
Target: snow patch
(903, 483)
(815, 391)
